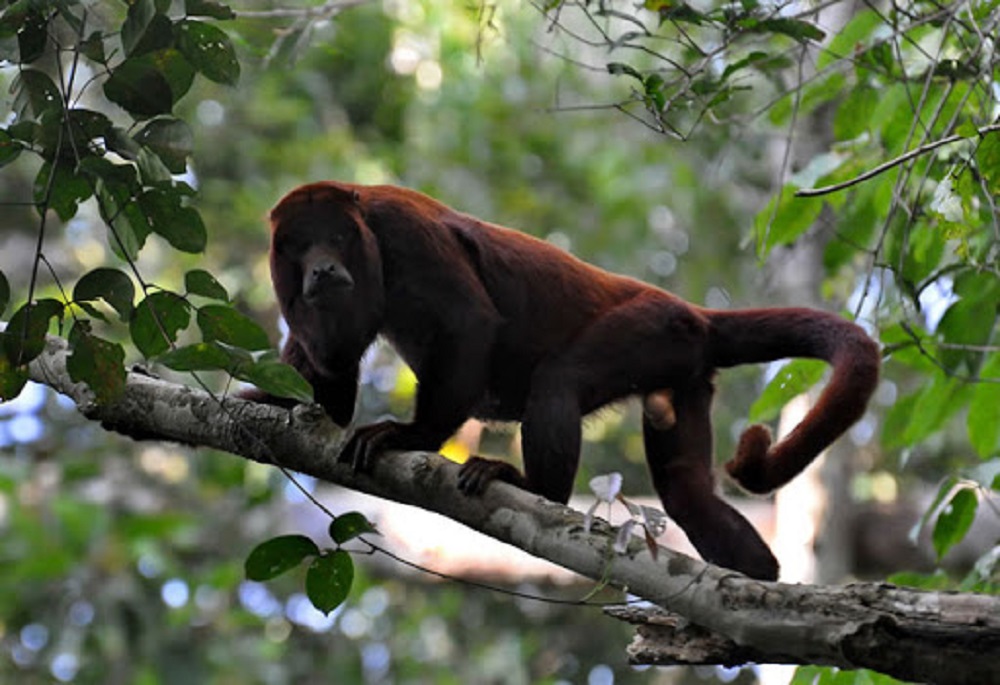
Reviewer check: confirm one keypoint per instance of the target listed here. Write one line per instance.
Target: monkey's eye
(287, 246)
(340, 238)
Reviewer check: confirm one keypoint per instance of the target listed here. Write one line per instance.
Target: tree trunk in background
(813, 512)
(812, 515)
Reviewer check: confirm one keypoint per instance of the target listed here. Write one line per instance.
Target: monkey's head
(326, 267)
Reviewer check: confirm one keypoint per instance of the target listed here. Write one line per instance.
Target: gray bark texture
(708, 614)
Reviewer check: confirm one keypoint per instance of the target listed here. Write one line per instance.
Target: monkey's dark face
(317, 258)
(327, 274)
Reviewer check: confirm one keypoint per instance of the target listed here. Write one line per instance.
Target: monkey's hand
(478, 472)
(370, 441)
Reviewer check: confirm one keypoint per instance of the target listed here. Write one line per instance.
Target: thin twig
(327, 9)
(885, 166)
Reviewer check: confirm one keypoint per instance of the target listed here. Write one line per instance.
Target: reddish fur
(499, 325)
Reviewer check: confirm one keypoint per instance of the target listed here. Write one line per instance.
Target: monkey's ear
(355, 197)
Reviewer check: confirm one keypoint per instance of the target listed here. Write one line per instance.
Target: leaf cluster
(330, 573)
(131, 165)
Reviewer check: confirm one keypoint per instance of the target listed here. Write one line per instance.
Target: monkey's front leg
(450, 384)
(550, 434)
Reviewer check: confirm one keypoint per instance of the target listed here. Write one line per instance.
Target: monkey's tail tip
(749, 466)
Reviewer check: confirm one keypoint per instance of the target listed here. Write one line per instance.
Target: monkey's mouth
(330, 287)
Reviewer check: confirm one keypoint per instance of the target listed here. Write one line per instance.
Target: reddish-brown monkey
(499, 325)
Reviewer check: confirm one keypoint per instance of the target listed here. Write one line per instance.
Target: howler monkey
(499, 325)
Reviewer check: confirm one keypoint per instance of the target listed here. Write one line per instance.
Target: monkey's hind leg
(680, 461)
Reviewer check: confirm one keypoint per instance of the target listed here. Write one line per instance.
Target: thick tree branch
(914, 635)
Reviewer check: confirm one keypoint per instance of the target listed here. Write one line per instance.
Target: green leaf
(176, 69)
(171, 139)
(748, 61)
(937, 401)
(939, 580)
(223, 323)
(159, 527)
(329, 580)
(792, 380)
(14, 15)
(209, 51)
(145, 29)
(64, 192)
(197, 357)
(139, 88)
(945, 489)
(93, 47)
(806, 675)
(954, 520)
(967, 129)
(848, 39)
(50, 135)
(798, 29)
(273, 557)
(150, 84)
(111, 285)
(152, 170)
(24, 338)
(92, 311)
(10, 148)
(34, 94)
(895, 421)
(208, 8)
(918, 248)
(855, 223)
(127, 224)
(984, 410)
(32, 36)
(12, 378)
(817, 92)
(98, 363)
(119, 140)
(201, 282)
(349, 526)
(619, 68)
(671, 10)
(277, 378)
(854, 112)
(85, 127)
(4, 293)
(654, 91)
(970, 321)
(988, 159)
(159, 35)
(140, 13)
(784, 219)
(180, 225)
(156, 322)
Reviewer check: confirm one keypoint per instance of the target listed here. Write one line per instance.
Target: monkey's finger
(477, 473)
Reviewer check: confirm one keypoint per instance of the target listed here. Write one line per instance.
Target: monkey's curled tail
(751, 336)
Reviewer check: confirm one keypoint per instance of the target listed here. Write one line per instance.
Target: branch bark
(724, 617)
